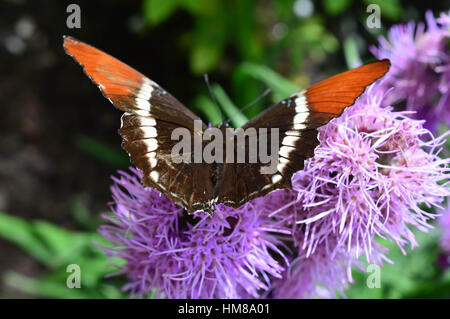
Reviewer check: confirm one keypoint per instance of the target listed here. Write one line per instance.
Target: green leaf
(55, 286)
(156, 11)
(413, 276)
(246, 35)
(237, 117)
(443, 129)
(111, 292)
(93, 269)
(208, 40)
(43, 287)
(204, 105)
(198, 7)
(391, 9)
(80, 214)
(102, 152)
(336, 7)
(253, 88)
(283, 9)
(359, 290)
(205, 56)
(280, 86)
(50, 244)
(57, 248)
(351, 53)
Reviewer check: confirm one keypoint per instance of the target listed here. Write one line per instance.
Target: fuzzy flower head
(231, 255)
(367, 179)
(420, 69)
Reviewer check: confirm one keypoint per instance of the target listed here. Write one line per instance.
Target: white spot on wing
(302, 112)
(151, 144)
(301, 105)
(293, 133)
(149, 131)
(285, 151)
(298, 126)
(300, 118)
(141, 112)
(145, 92)
(282, 164)
(151, 157)
(290, 140)
(121, 118)
(281, 167)
(142, 104)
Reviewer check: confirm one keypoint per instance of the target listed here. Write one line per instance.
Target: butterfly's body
(151, 115)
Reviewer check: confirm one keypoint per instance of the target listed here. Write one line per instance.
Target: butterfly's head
(209, 209)
(224, 126)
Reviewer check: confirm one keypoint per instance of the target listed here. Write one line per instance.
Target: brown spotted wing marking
(150, 115)
(297, 119)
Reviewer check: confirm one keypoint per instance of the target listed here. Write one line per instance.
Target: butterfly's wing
(297, 119)
(151, 114)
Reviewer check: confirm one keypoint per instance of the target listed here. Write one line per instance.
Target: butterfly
(151, 114)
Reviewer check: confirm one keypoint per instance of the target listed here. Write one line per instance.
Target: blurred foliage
(250, 38)
(391, 9)
(333, 7)
(281, 87)
(413, 276)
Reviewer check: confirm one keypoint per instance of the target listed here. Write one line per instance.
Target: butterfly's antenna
(213, 96)
(264, 94)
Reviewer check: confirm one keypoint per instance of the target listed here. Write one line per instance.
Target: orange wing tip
(384, 64)
(385, 61)
(113, 77)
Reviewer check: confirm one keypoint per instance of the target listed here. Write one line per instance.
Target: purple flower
(443, 259)
(367, 179)
(420, 69)
(375, 174)
(234, 254)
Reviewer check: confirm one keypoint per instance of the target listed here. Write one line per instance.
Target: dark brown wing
(151, 114)
(297, 119)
